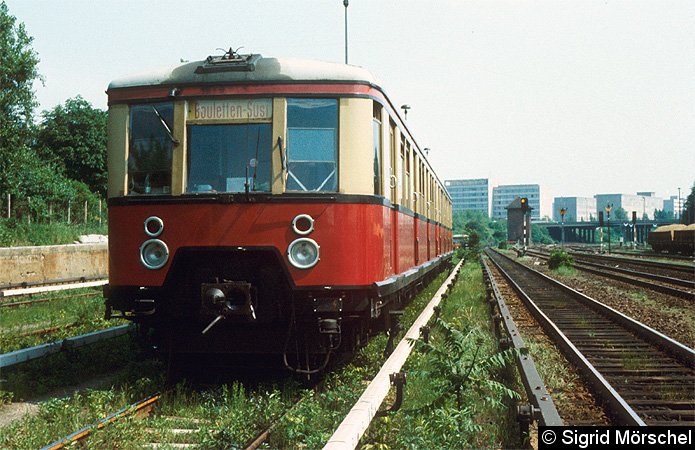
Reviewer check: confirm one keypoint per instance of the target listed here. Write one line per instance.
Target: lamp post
(679, 206)
(608, 208)
(405, 109)
(563, 211)
(346, 3)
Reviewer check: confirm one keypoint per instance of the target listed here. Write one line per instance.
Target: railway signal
(524, 211)
(563, 211)
(608, 208)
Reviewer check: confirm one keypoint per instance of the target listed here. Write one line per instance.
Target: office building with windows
(469, 195)
(674, 205)
(643, 204)
(578, 209)
(503, 195)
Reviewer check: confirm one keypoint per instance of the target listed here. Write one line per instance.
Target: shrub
(560, 259)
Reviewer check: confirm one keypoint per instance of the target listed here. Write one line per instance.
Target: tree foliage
(18, 71)
(73, 137)
(50, 162)
(619, 214)
(688, 215)
(489, 232)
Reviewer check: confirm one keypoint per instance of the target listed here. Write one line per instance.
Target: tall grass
(454, 397)
(15, 233)
(68, 315)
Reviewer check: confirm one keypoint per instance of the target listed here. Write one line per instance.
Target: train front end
(242, 210)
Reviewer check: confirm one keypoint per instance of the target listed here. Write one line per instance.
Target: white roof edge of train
(266, 70)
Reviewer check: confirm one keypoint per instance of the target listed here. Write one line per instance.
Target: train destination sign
(231, 110)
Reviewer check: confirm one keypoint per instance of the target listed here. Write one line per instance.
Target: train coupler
(228, 299)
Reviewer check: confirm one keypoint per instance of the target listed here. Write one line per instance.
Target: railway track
(668, 269)
(661, 283)
(142, 407)
(644, 377)
(656, 255)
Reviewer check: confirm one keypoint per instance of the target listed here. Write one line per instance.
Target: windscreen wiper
(166, 127)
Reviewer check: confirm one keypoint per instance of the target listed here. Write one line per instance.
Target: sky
(582, 97)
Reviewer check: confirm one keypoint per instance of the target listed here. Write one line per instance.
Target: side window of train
(150, 148)
(312, 144)
(376, 144)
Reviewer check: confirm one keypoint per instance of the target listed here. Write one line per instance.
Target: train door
(393, 183)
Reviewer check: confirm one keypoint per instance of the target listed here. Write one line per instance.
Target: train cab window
(228, 158)
(150, 148)
(312, 144)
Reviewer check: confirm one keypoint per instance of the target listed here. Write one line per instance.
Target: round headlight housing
(154, 254)
(154, 226)
(303, 224)
(303, 253)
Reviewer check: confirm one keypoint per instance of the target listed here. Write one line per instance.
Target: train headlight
(154, 254)
(154, 226)
(303, 253)
(303, 224)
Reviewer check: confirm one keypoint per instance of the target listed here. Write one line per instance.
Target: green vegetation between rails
(66, 315)
(453, 397)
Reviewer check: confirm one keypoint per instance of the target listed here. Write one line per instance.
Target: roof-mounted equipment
(230, 61)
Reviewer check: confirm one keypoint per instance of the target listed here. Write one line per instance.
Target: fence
(73, 211)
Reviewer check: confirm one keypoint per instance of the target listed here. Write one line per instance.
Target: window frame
(287, 151)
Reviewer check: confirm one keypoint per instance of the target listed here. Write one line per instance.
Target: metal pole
(346, 3)
(679, 206)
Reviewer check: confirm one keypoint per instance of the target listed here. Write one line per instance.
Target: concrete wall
(52, 262)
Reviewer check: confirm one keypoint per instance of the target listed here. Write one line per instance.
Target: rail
(632, 278)
(648, 367)
(536, 391)
(28, 354)
(138, 407)
(356, 422)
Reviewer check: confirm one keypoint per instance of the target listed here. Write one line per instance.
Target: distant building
(579, 209)
(503, 195)
(674, 205)
(643, 205)
(469, 195)
(515, 222)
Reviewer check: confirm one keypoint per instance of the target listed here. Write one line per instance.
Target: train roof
(247, 69)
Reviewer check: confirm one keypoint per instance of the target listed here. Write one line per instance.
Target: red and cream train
(266, 206)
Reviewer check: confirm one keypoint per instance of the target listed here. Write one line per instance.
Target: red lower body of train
(226, 285)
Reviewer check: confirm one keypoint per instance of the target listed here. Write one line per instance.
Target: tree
(23, 172)
(18, 71)
(662, 214)
(619, 214)
(73, 137)
(688, 215)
